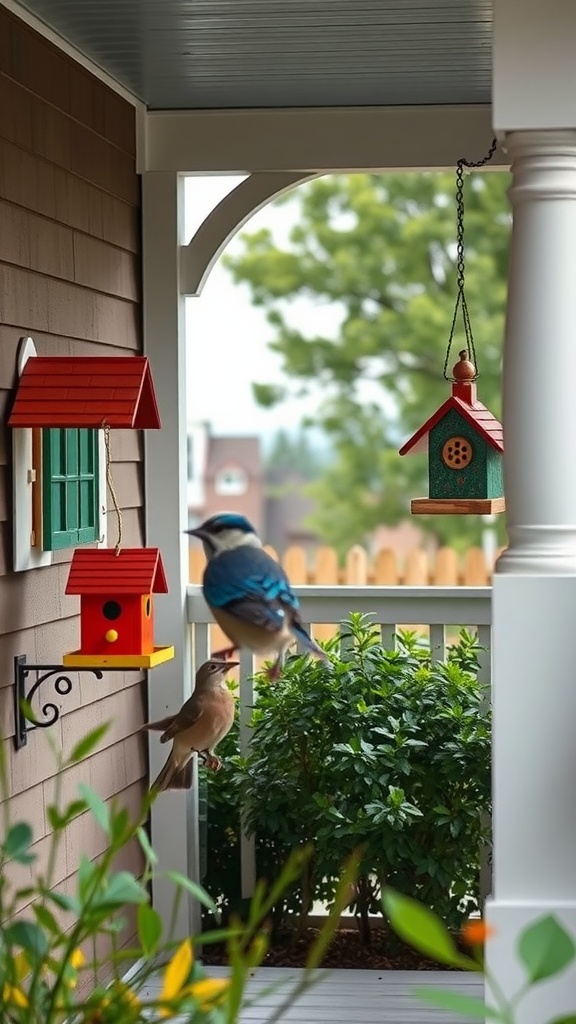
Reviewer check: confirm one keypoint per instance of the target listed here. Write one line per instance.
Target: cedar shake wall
(70, 278)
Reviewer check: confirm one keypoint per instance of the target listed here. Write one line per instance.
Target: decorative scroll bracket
(50, 710)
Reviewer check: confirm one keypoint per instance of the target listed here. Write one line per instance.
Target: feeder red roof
(477, 415)
(102, 571)
(85, 391)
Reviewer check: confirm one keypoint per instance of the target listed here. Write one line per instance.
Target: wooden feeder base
(75, 659)
(457, 506)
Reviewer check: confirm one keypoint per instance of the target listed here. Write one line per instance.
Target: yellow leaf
(177, 971)
(77, 959)
(11, 994)
(126, 995)
(21, 965)
(208, 990)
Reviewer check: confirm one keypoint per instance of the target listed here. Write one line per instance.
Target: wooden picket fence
(418, 569)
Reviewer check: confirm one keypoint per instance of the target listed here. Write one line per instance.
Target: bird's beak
(198, 532)
(225, 665)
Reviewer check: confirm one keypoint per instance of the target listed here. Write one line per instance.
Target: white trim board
(318, 139)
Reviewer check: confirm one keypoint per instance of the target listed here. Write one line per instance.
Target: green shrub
(381, 750)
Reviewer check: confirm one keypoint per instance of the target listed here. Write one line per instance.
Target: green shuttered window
(69, 487)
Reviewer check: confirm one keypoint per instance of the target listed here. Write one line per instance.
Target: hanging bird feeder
(464, 441)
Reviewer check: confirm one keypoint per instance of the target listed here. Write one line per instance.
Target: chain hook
(461, 304)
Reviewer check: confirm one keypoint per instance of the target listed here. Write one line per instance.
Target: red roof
(85, 391)
(102, 571)
(477, 415)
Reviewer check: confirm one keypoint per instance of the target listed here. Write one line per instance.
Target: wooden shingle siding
(70, 277)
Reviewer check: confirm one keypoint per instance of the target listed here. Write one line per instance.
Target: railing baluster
(485, 661)
(485, 678)
(388, 636)
(200, 646)
(196, 830)
(247, 842)
(437, 642)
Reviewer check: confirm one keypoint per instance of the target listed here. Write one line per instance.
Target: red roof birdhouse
(465, 444)
(116, 607)
(86, 391)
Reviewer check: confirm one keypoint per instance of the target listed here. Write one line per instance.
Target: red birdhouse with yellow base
(116, 607)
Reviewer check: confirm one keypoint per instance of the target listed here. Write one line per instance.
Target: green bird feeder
(463, 439)
(465, 444)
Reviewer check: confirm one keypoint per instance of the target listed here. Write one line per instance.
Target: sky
(227, 336)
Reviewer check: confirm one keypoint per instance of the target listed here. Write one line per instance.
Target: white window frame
(28, 552)
(234, 492)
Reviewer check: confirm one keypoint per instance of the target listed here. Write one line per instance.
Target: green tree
(294, 453)
(380, 249)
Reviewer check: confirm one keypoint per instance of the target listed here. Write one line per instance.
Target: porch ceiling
(211, 54)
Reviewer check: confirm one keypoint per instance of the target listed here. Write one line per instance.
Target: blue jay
(201, 723)
(248, 592)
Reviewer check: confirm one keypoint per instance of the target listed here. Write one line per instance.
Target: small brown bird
(198, 727)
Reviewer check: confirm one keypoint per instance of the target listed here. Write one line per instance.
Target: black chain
(461, 303)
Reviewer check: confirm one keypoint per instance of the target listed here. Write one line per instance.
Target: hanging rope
(110, 482)
(461, 304)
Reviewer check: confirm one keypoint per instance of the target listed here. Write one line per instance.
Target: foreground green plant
(51, 966)
(384, 749)
(544, 949)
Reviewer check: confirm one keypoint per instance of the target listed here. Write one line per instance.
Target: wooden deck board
(351, 997)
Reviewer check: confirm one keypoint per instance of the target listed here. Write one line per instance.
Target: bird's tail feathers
(159, 726)
(311, 646)
(173, 776)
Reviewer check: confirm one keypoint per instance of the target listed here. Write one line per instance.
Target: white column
(534, 594)
(174, 815)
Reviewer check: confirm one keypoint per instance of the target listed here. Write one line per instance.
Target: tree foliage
(294, 453)
(379, 249)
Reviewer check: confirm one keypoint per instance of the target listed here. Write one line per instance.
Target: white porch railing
(438, 608)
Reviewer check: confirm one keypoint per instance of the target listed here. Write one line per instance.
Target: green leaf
(342, 900)
(149, 928)
(86, 872)
(86, 745)
(46, 919)
(545, 948)
(96, 804)
(58, 820)
(146, 845)
(25, 892)
(570, 1019)
(17, 842)
(29, 936)
(422, 930)
(193, 888)
(63, 901)
(121, 888)
(473, 1006)
(119, 824)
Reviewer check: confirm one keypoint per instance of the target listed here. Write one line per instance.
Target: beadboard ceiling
(210, 54)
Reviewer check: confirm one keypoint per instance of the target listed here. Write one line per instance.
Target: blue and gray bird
(248, 592)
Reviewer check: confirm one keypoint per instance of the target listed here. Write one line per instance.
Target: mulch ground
(385, 953)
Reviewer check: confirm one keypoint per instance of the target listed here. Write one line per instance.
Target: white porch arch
(225, 220)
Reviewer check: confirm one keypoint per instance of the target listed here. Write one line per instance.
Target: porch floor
(353, 997)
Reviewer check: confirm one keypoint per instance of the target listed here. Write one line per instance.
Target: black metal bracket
(24, 723)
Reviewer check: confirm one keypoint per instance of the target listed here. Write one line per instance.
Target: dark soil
(385, 953)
